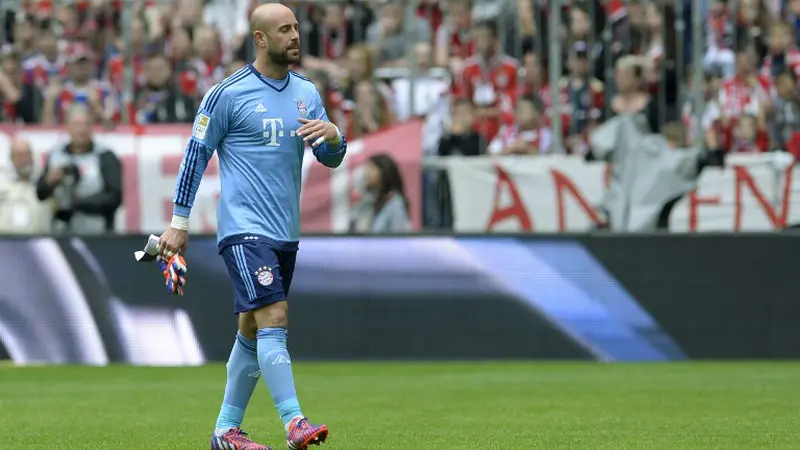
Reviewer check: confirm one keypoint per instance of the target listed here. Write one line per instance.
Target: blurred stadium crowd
(480, 72)
(492, 56)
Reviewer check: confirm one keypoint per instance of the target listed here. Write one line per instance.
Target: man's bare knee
(272, 316)
(247, 325)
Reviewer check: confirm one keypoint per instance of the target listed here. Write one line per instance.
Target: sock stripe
(246, 343)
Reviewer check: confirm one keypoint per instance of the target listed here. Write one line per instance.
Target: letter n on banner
(515, 210)
(563, 183)
(778, 219)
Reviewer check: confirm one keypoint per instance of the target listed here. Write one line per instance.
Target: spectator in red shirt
(25, 35)
(746, 93)
(745, 135)
(454, 39)
(532, 81)
(80, 87)
(207, 60)
(328, 40)
(136, 48)
(48, 63)
(489, 79)
(782, 54)
(431, 10)
(528, 136)
(181, 53)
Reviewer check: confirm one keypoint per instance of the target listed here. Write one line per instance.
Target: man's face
(22, 159)
(158, 72)
(484, 40)
(206, 44)
(24, 31)
(424, 54)
(579, 65)
(11, 68)
(744, 63)
(80, 129)
(780, 39)
(579, 24)
(334, 15)
(392, 16)
(137, 32)
(747, 129)
(625, 77)
(48, 45)
(82, 70)
(716, 8)
(358, 64)
(460, 14)
(637, 15)
(283, 43)
(533, 72)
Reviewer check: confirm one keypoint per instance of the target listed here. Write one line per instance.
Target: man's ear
(261, 38)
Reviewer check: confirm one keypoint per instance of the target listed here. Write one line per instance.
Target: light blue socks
(243, 374)
(276, 366)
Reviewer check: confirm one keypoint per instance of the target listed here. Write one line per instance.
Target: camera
(65, 192)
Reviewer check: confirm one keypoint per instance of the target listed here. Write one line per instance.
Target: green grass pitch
(417, 406)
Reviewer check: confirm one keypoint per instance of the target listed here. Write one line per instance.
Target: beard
(283, 57)
(25, 171)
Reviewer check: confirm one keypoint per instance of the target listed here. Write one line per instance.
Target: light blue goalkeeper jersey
(252, 121)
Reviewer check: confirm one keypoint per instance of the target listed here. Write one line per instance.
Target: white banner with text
(151, 157)
(754, 192)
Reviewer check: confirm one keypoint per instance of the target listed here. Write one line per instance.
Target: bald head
(22, 157)
(270, 15)
(276, 34)
(19, 144)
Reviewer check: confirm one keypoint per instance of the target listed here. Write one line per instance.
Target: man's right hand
(54, 176)
(173, 241)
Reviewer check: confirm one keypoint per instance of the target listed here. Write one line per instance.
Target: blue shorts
(261, 270)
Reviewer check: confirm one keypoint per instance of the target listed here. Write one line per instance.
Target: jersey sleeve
(208, 131)
(330, 155)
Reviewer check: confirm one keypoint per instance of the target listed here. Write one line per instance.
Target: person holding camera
(83, 179)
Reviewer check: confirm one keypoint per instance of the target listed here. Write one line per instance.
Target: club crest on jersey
(264, 276)
(301, 107)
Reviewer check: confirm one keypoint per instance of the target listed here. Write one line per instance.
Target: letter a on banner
(515, 210)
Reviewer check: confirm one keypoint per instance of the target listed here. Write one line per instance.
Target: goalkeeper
(258, 120)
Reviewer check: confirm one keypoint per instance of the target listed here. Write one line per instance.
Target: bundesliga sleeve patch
(201, 126)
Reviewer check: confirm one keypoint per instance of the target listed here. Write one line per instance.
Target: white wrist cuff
(180, 223)
(338, 134)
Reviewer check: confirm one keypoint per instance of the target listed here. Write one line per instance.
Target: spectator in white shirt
(427, 88)
(21, 212)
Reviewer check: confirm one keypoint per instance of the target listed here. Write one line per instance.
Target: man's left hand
(312, 130)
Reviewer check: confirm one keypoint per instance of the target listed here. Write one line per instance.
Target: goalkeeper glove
(174, 271)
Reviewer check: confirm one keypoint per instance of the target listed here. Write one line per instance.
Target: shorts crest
(264, 276)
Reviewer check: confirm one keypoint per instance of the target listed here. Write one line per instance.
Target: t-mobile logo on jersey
(273, 129)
